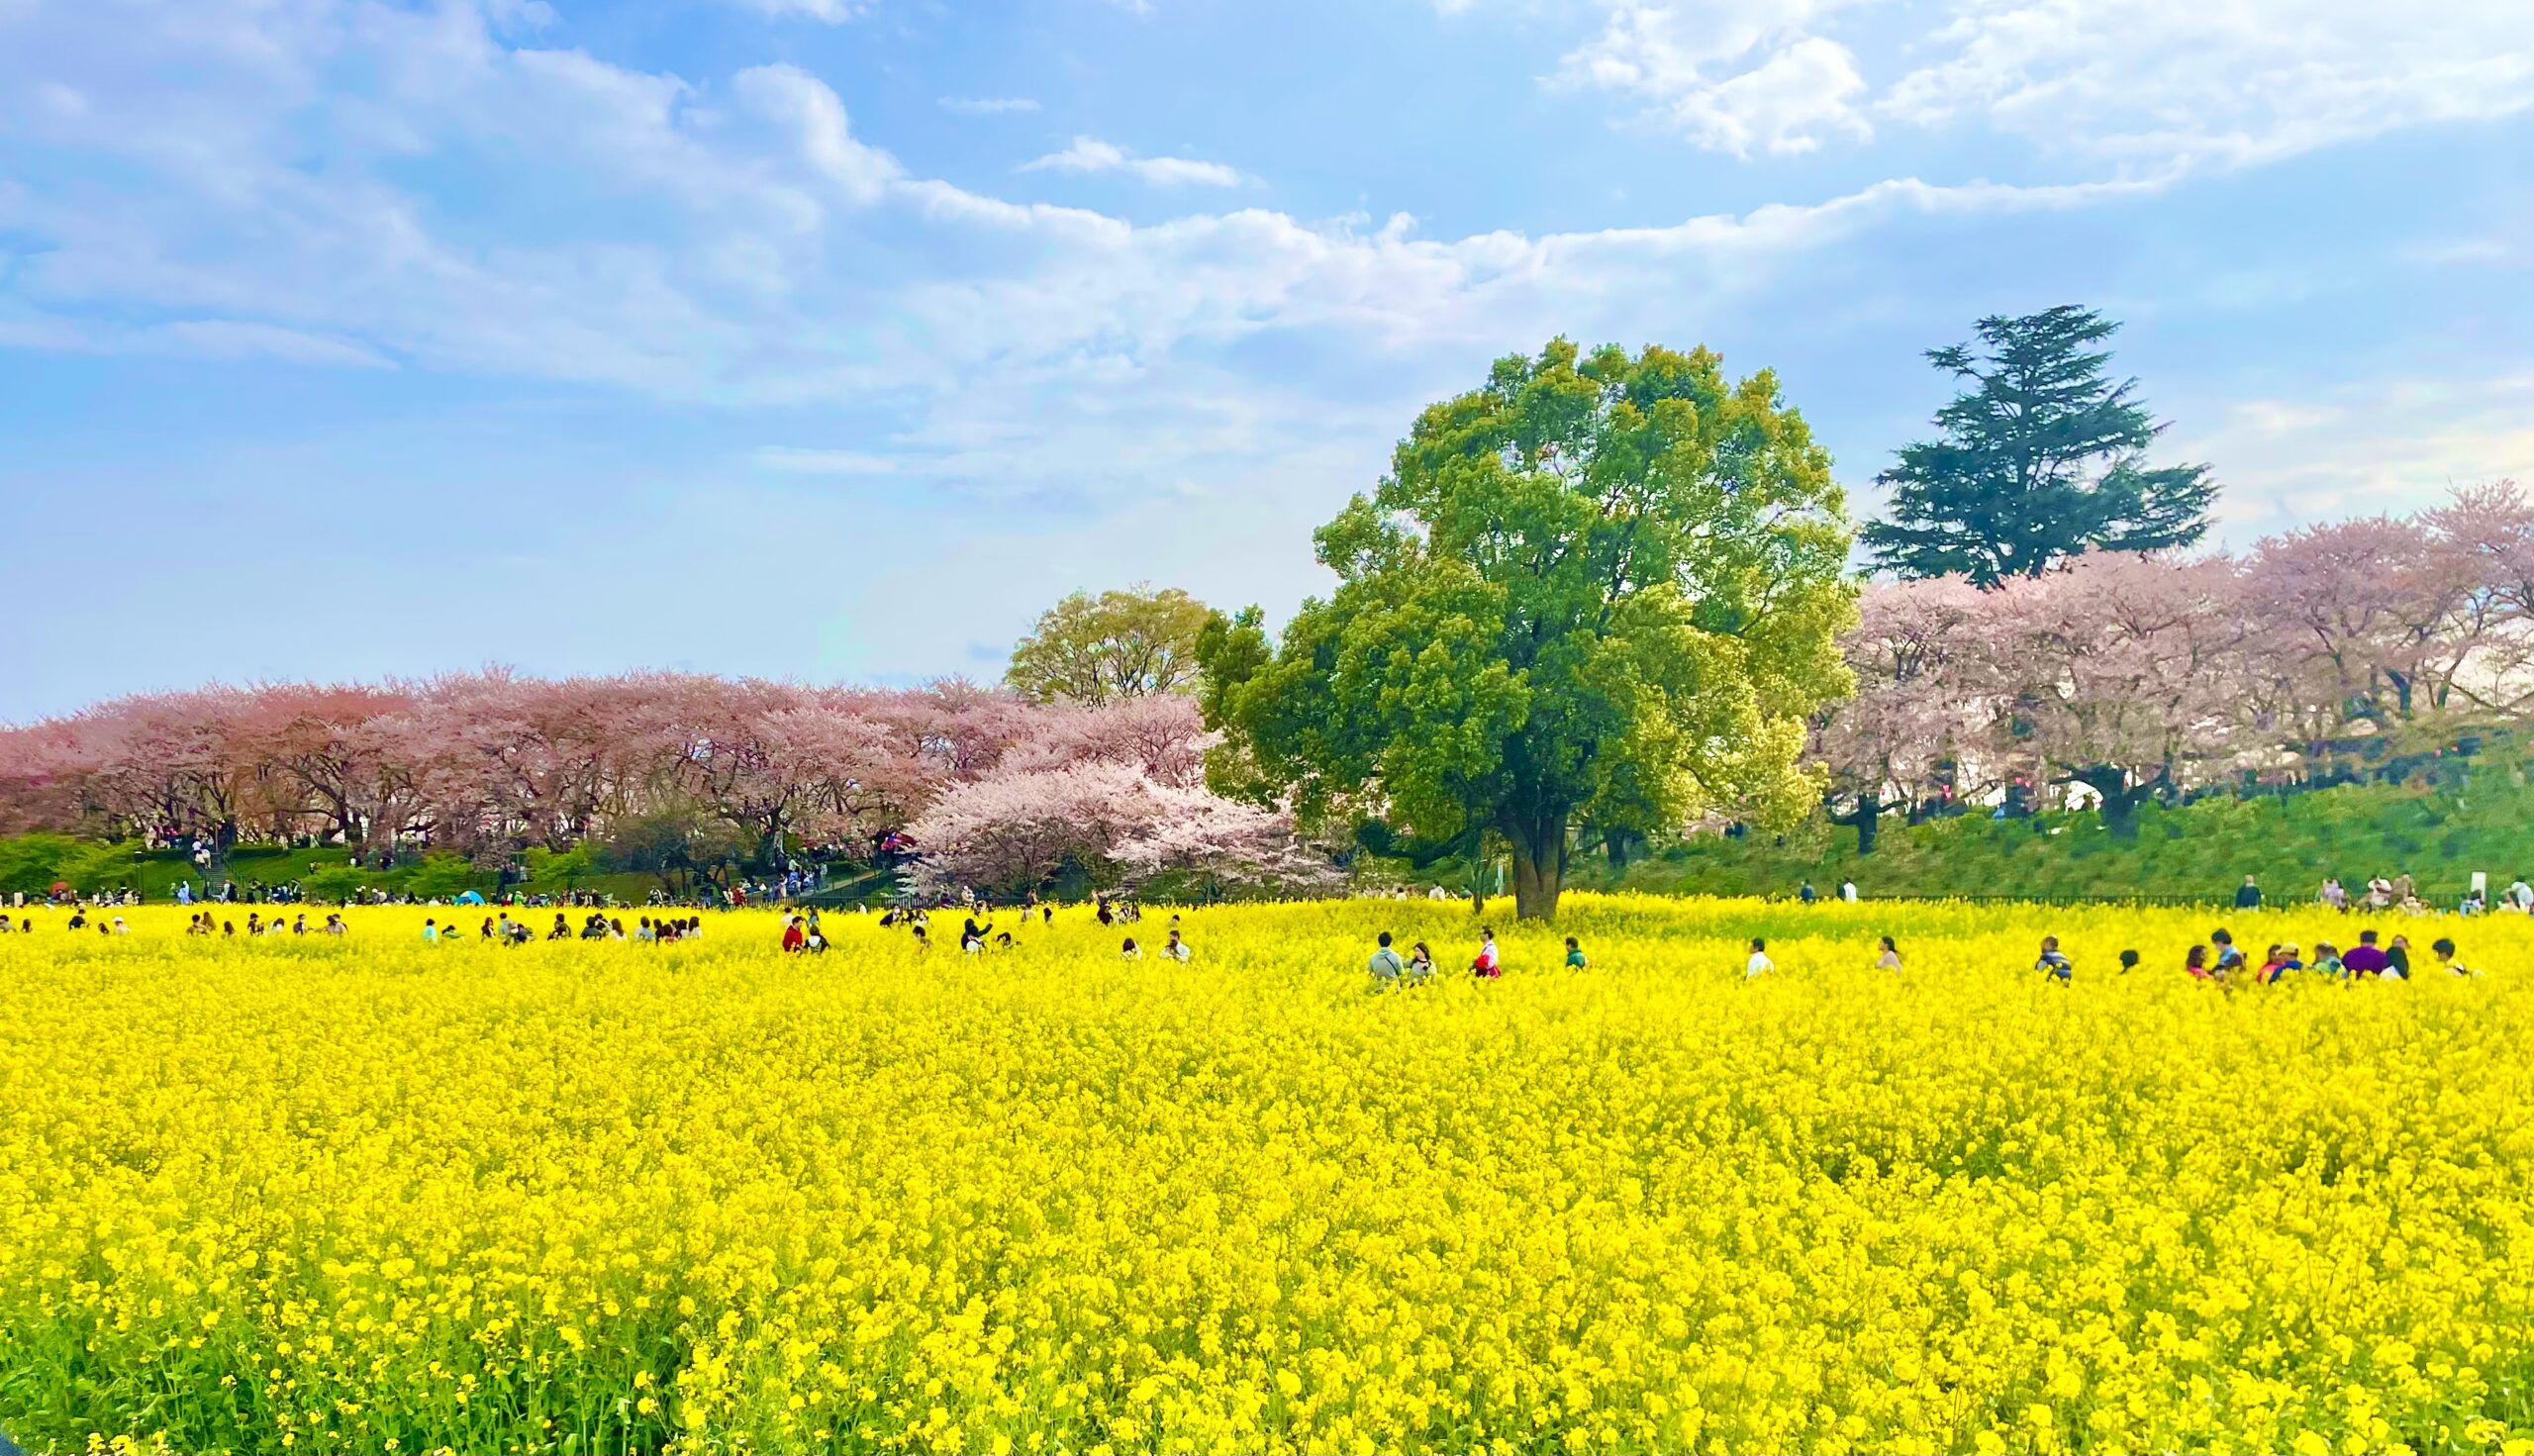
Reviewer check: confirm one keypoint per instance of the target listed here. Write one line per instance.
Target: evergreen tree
(2040, 460)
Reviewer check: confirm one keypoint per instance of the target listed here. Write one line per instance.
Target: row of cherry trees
(2125, 678)
(671, 766)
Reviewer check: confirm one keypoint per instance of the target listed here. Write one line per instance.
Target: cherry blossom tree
(1922, 707)
(2121, 671)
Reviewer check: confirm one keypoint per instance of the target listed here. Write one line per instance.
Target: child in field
(2053, 965)
(2229, 959)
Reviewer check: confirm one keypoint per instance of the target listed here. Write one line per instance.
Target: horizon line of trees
(668, 773)
(2117, 678)
(1597, 599)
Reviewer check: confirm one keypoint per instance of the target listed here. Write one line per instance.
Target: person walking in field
(1889, 960)
(1575, 961)
(1759, 964)
(1420, 964)
(1487, 964)
(1176, 949)
(2444, 950)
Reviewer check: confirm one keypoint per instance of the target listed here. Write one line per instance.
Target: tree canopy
(2041, 460)
(1093, 650)
(1596, 592)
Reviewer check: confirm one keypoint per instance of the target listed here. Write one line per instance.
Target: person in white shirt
(2521, 894)
(1759, 964)
(1849, 891)
(1176, 949)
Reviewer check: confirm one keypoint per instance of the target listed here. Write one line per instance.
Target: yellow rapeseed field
(372, 1194)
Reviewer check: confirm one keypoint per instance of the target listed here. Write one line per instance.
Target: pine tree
(2040, 460)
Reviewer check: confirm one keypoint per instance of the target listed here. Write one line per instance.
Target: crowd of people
(2401, 894)
(2219, 960)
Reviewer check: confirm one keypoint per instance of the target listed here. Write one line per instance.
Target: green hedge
(2288, 842)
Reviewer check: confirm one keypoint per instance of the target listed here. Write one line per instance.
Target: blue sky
(834, 339)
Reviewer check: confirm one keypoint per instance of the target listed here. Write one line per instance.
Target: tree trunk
(1540, 865)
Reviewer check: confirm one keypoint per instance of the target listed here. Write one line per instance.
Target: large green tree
(2041, 459)
(1595, 593)
(1117, 644)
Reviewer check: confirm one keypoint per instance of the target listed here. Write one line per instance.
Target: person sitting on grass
(2053, 965)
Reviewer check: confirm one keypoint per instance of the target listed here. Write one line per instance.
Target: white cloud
(793, 98)
(2365, 450)
(833, 12)
(1091, 154)
(733, 241)
(2154, 86)
(2219, 82)
(794, 460)
(986, 105)
(1731, 75)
